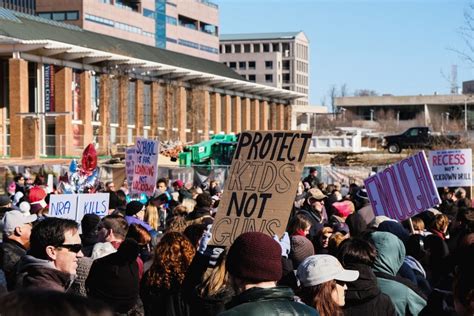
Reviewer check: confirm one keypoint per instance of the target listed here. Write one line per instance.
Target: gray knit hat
(301, 248)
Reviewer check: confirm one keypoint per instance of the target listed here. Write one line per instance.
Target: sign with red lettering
(404, 189)
(145, 166)
(451, 167)
(261, 186)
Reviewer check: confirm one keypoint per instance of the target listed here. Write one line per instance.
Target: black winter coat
(363, 296)
(10, 254)
(162, 301)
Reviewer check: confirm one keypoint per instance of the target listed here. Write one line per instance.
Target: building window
(208, 28)
(286, 49)
(187, 22)
(242, 65)
(147, 105)
(72, 15)
(209, 49)
(268, 78)
(251, 65)
(228, 49)
(233, 65)
(237, 48)
(252, 78)
(59, 16)
(286, 78)
(148, 13)
(276, 47)
(268, 64)
(246, 48)
(286, 65)
(188, 43)
(256, 48)
(266, 47)
(171, 20)
(131, 102)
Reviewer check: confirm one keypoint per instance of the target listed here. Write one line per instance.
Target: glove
(284, 244)
(206, 237)
(215, 253)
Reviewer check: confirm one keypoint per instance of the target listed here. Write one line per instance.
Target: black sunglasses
(71, 247)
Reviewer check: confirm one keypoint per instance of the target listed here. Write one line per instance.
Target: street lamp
(371, 115)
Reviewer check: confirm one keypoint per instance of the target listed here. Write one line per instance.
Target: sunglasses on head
(71, 247)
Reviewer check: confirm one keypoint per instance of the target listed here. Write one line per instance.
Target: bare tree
(343, 92)
(332, 93)
(365, 93)
(467, 34)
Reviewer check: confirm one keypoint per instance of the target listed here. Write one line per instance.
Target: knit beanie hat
(343, 208)
(301, 248)
(255, 257)
(133, 208)
(89, 223)
(36, 194)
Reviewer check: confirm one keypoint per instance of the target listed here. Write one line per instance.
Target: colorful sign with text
(145, 166)
(451, 167)
(404, 189)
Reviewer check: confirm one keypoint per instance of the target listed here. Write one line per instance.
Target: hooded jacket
(408, 300)
(363, 296)
(42, 274)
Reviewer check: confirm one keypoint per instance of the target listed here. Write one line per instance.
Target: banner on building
(451, 167)
(404, 189)
(145, 166)
(261, 186)
(75, 206)
(49, 104)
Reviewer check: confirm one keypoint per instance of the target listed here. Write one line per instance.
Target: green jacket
(390, 256)
(278, 300)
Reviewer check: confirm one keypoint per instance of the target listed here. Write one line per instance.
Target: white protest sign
(404, 189)
(145, 169)
(63, 206)
(97, 203)
(451, 167)
(129, 163)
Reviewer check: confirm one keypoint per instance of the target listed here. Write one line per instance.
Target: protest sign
(404, 189)
(129, 163)
(97, 203)
(261, 186)
(145, 166)
(75, 206)
(451, 167)
(63, 206)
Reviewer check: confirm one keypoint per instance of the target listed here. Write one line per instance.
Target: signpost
(261, 186)
(404, 189)
(451, 167)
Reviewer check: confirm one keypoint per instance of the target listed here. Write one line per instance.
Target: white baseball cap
(318, 269)
(14, 218)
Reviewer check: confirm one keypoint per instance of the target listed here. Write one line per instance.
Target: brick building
(62, 87)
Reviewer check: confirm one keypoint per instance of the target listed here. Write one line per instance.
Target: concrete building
(62, 87)
(279, 60)
(186, 26)
(438, 111)
(25, 6)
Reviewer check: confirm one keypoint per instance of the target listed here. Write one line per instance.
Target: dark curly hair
(173, 256)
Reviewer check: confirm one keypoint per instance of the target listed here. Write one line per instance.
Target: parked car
(418, 137)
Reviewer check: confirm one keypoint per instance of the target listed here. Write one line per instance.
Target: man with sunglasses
(51, 263)
(313, 209)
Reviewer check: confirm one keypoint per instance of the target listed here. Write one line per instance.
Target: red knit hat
(36, 194)
(255, 257)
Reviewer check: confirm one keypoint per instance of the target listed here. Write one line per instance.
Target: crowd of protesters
(151, 256)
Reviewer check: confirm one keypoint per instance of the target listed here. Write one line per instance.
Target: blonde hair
(216, 281)
(152, 217)
(189, 204)
(418, 224)
(441, 222)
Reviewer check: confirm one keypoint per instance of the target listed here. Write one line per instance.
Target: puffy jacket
(11, 252)
(408, 300)
(257, 301)
(363, 296)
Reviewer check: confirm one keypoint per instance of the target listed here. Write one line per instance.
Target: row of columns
(210, 110)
